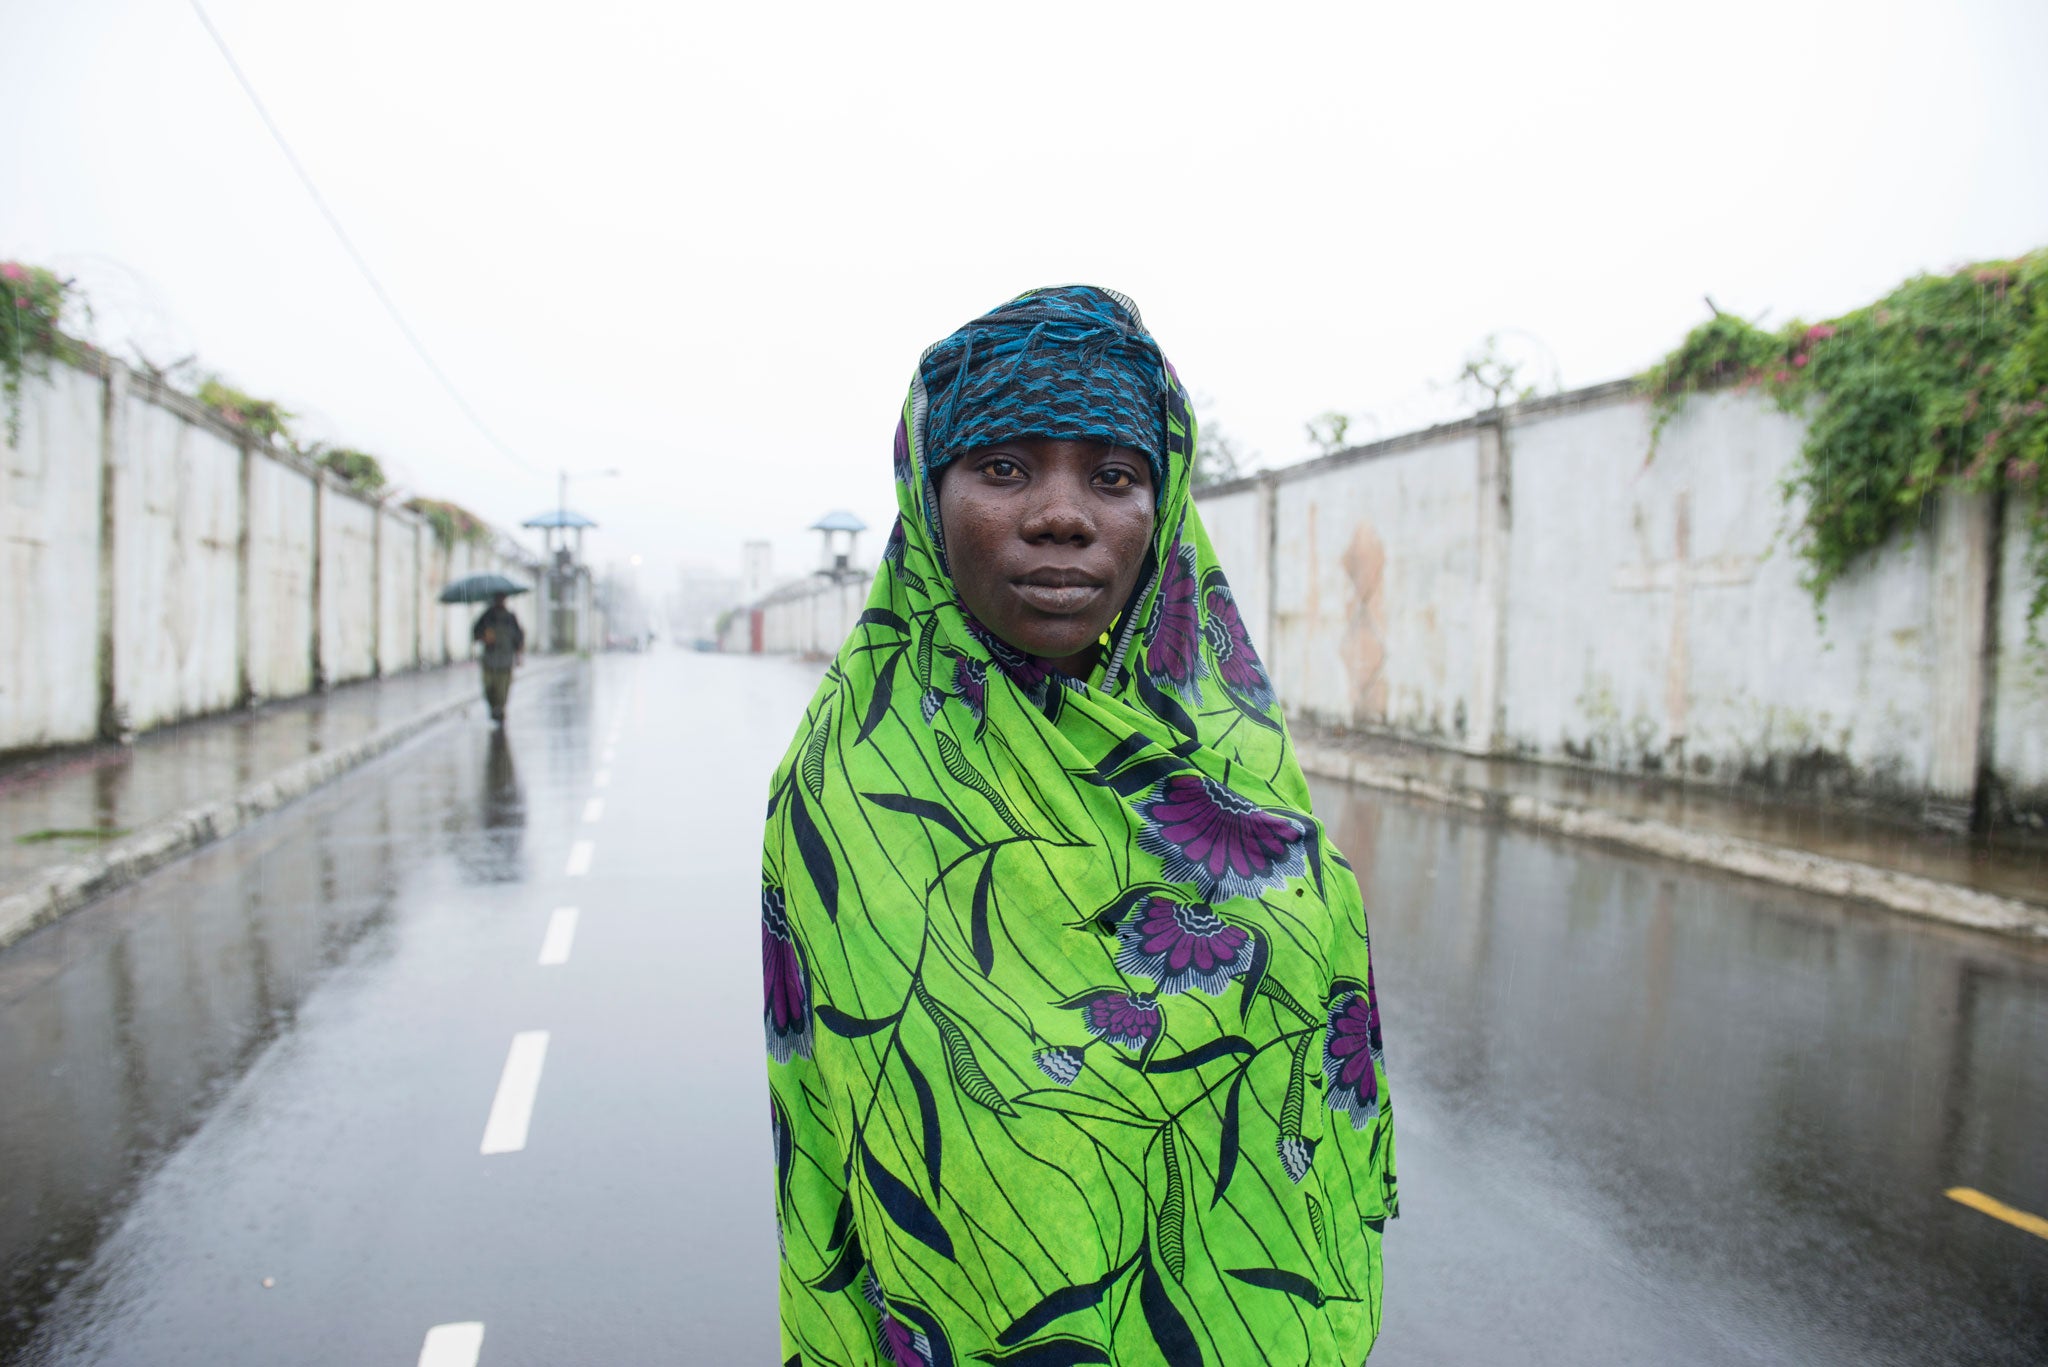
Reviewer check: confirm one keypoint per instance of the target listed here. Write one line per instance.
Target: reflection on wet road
(1655, 1116)
(458, 1062)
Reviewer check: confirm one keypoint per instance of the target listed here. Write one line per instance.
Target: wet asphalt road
(1647, 1116)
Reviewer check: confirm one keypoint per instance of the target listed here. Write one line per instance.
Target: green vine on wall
(362, 472)
(452, 523)
(264, 419)
(1941, 385)
(31, 304)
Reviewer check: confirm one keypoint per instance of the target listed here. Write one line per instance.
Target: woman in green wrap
(1074, 1048)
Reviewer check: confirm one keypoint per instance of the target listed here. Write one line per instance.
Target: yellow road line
(1999, 1210)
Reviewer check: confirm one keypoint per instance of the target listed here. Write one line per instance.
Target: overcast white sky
(705, 244)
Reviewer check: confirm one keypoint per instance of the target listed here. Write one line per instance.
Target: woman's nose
(1060, 513)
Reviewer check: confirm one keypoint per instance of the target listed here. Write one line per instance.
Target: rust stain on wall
(1365, 633)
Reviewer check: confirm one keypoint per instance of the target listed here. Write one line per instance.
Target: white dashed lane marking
(554, 946)
(518, 1085)
(593, 811)
(580, 855)
(453, 1345)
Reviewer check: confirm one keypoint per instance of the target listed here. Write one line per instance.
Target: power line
(349, 246)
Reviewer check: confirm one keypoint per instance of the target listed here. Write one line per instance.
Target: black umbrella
(481, 588)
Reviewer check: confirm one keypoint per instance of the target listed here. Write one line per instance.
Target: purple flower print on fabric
(1236, 662)
(1123, 1018)
(902, 454)
(1030, 673)
(1181, 946)
(901, 1344)
(1224, 844)
(1173, 641)
(1350, 1047)
(1129, 1020)
(970, 685)
(786, 1006)
(1372, 1013)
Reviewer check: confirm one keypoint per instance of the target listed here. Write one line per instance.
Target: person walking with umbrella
(504, 643)
(496, 630)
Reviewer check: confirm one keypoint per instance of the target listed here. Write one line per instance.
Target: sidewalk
(84, 822)
(1999, 884)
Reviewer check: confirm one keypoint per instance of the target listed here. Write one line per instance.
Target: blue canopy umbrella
(559, 519)
(481, 588)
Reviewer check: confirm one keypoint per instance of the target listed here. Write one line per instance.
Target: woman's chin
(1054, 640)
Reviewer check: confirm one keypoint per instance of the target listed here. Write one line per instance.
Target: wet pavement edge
(66, 887)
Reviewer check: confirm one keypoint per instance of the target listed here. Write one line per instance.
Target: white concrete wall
(348, 588)
(205, 596)
(1536, 586)
(177, 535)
(280, 580)
(1373, 579)
(2019, 713)
(1622, 652)
(397, 604)
(49, 564)
(462, 560)
(433, 642)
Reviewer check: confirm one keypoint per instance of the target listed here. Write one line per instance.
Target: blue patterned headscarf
(1073, 362)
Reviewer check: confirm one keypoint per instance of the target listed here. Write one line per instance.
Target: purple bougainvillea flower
(1180, 946)
(1350, 1047)
(1062, 1063)
(1224, 844)
(901, 1344)
(1173, 640)
(1236, 661)
(1125, 1018)
(786, 1006)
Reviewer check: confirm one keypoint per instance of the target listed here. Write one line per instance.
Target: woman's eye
(1001, 469)
(1117, 479)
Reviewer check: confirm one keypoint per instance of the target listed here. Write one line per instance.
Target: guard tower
(839, 531)
(568, 583)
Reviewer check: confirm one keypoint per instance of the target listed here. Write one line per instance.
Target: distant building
(757, 569)
(701, 597)
(806, 614)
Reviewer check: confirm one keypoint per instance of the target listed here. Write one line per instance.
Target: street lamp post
(562, 495)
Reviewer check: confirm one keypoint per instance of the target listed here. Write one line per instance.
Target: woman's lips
(1059, 592)
(1061, 600)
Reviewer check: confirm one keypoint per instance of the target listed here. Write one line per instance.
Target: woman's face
(1046, 538)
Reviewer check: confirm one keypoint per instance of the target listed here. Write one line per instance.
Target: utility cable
(349, 246)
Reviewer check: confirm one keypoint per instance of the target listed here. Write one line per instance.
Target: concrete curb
(65, 888)
(1902, 892)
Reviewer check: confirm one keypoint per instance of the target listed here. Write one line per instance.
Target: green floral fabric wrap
(1074, 1048)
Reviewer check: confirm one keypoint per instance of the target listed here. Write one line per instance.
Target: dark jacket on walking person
(504, 643)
